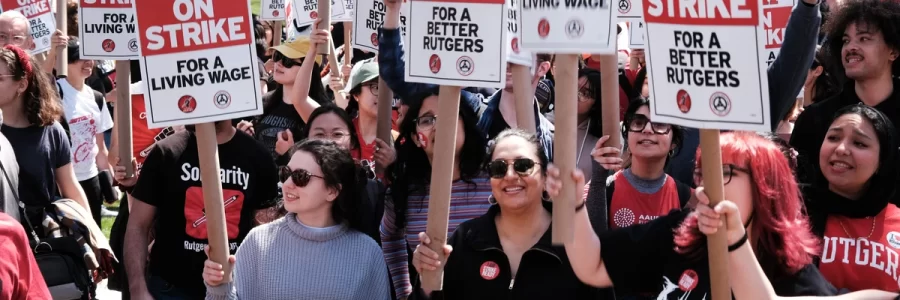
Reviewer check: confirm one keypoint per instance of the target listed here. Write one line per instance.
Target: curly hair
(876, 14)
(41, 104)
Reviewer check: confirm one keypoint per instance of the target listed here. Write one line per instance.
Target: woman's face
(368, 98)
(314, 195)
(284, 75)
(7, 83)
(849, 155)
(81, 68)
(585, 97)
(738, 187)
(426, 127)
(516, 190)
(330, 127)
(648, 142)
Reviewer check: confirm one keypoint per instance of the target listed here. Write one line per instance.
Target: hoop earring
(492, 200)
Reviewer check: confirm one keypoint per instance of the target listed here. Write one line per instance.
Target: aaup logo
(893, 239)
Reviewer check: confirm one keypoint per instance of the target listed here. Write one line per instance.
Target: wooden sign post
(524, 97)
(564, 141)
(609, 79)
(717, 244)
(123, 116)
(62, 60)
(325, 23)
(276, 33)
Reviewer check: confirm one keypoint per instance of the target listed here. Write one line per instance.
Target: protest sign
(629, 9)
(306, 11)
(199, 61)
(636, 34)
(107, 30)
(468, 36)
(349, 11)
(40, 20)
(568, 26)
(704, 64)
(368, 18)
(514, 52)
(775, 18)
(272, 10)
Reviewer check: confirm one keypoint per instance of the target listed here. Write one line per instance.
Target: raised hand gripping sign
(40, 20)
(199, 61)
(568, 26)
(705, 65)
(107, 30)
(306, 11)
(458, 42)
(272, 10)
(368, 18)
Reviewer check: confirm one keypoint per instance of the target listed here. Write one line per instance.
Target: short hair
(15, 15)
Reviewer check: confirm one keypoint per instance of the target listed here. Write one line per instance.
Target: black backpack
(98, 97)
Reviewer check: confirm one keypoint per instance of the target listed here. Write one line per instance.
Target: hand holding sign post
(199, 64)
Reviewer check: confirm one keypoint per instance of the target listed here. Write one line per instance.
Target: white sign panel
(40, 20)
(775, 18)
(107, 30)
(514, 52)
(636, 35)
(458, 43)
(349, 10)
(207, 76)
(568, 26)
(704, 65)
(272, 10)
(306, 11)
(629, 9)
(369, 17)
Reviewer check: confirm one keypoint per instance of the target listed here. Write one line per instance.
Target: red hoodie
(20, 277)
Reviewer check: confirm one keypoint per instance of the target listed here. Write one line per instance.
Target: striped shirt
(468, 200)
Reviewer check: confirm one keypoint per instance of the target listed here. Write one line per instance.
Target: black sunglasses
(639, 122)
(285, 61)
(522, 166)
(300, 177)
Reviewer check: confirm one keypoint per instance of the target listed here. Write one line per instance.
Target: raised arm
(302, 103)
(392, 66)
(394, 246)
(788, 72)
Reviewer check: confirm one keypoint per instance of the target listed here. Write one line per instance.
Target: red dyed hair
(779, 230)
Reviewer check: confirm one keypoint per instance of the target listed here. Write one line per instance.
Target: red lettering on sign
(106, 3)
(702, 12)
(174, 26)
(29, 8)
(774, 22)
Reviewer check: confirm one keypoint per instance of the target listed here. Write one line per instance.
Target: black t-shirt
(170, 181)
(641, 259)
(278, 117)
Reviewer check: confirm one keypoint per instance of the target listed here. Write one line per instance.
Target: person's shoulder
(245, 141)
(175, 142)
(10, 228)
(363, 242)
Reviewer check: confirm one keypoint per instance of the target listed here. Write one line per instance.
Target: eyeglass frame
(725, 180)
(14, 37)
(426, 127)
(649, 122)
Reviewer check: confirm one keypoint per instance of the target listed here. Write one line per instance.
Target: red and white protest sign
(775, 18)
(40, 20)
(349, 12)
(704, 64)
(107, 30)
(458, 42)
(568, 26)
(368, 18)
(514, 51)
(306, 11)
(272, 10)
(199, 61)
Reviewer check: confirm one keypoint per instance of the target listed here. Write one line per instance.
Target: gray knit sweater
(288, 260)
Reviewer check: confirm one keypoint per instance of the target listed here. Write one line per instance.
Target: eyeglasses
(285, 61)
(639, 122)
(373, 86)
(727, 172)
(522, 166)
(584, 95)
(425, 122)
(17, 40)
(300, 177)
(334, 136)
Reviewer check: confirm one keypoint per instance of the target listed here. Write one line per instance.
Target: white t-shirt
(85, 120)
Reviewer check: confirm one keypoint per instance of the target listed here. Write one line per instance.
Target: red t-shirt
(629, 206)
(855, 262)
(20, 277)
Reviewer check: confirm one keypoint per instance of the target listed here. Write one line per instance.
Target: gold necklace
(871, 231)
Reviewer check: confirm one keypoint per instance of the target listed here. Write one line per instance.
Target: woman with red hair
(668, 255)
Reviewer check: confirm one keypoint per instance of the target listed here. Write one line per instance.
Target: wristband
(581, 206)
(739, 243)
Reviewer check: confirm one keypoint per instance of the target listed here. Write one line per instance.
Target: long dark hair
(825, 84)
(411, 172)
(41, 103)
(330, 108)
(339, 172)
(595, 126)
(316, 92)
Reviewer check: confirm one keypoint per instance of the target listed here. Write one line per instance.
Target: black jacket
(478, 269)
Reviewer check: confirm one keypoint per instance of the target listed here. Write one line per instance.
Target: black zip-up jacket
(479, 269)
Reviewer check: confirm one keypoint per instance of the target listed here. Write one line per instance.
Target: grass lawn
(107, 222)
(254, 6)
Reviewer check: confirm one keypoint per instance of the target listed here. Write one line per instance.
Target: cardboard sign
(369, 17)
(349, 11)
(107, 30)
(636, 35)
(40, 20)
(629, 9)
(775, 18)
(514, 52)
(704, 63)
(272, 10)
(199, 61)
(568, 26)
(306, 11)
(460, 43)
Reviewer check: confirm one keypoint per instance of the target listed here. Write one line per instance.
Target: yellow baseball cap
(296, 49)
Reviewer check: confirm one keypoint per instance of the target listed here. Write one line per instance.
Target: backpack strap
(626, 85)
(101, 101)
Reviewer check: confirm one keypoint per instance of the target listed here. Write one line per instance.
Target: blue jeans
(160, 289)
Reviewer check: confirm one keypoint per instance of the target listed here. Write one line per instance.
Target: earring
(492, 200)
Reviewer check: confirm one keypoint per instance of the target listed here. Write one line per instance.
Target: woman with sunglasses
(406, 207)
(851, 201)
(507, 252)
(667, 256)
(300, 255)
